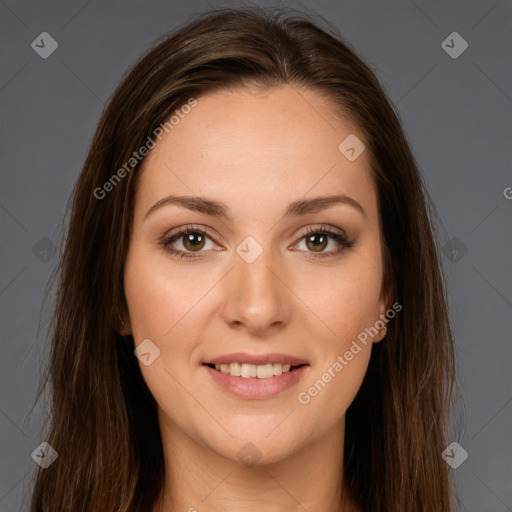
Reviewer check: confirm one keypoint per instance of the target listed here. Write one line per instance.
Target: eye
(194, 240)
(191, 239)
(316, 239)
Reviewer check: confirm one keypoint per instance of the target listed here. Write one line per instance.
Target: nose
(257, 299)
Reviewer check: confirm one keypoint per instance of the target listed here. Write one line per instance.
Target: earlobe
(125, 330)
(381, 324)
(124, 327)
(381, 335)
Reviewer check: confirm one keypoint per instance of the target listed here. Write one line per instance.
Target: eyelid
(200, 228)
(333, 232)
(213, 235)
(314, 228)
(336, 234)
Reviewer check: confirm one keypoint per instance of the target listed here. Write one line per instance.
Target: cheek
(330, 392)
(158, 299)
(344, 348)
(347, 304)
(162, 305)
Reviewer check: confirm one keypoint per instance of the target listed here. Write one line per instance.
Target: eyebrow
(220, 209)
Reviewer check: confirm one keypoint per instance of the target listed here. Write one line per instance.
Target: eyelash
(342, 239)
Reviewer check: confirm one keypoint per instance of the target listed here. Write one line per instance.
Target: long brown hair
(103, 421)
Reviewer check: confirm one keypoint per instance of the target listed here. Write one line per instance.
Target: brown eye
(317, 242)
(187, 243)
(193, 241)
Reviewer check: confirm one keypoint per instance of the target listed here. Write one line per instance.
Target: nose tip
(257, 297)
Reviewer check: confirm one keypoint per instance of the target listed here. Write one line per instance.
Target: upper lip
(242, 357)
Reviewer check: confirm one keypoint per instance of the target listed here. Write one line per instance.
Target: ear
(385, 303)
(124, 327)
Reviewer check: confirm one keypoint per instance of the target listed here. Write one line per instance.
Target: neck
(199, 479)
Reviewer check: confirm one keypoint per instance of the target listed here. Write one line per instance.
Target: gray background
(457, 114)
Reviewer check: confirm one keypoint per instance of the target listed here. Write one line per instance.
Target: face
(274, 281)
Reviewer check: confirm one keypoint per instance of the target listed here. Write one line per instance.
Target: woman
(251, 312)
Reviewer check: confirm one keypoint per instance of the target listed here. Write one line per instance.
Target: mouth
(259, 371)
(253, 377)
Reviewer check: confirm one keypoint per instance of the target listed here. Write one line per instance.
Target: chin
(249, 445)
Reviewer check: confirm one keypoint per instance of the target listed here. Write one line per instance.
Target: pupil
(321, 244)
(189, 240)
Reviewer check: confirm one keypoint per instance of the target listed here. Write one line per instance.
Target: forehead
(261, 147)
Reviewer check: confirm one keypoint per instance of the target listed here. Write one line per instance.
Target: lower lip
(254, 388)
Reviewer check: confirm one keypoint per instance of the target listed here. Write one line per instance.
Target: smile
(260, 371)
(258, 380)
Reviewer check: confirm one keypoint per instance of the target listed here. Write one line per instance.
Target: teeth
(264, 371)
(278, 368)
(261, 371)
(235, 369)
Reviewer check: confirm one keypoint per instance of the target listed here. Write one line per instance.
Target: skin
(256, 151)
